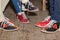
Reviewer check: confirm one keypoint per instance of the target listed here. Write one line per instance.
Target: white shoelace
(50, 24)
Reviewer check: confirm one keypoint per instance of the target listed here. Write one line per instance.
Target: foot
(52, 28)
(7, 25)
(30, 7)
(22, 18)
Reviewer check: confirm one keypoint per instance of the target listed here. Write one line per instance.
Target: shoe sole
(25, 9)
(33, 10)
(9, 30)
(39, 26)
(23, 22)
(51, 32)
(26, 22)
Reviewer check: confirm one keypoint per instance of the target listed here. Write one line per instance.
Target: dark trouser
(18, 5)
(55, 10)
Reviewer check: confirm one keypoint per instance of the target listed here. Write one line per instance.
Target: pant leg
(18, 5)
(51, 2)
(56, 15)
(1, 12)
(4, 3)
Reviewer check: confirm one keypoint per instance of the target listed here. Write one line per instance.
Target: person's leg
(1, 14)
(47, 20)
(50, 24)
(56, 14)
(21, 14)
(4, 3)
(5, 23)
(51, 3)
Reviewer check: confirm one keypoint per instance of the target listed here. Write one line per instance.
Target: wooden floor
(28, 31)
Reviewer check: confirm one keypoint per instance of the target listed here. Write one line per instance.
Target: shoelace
(50, 24)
